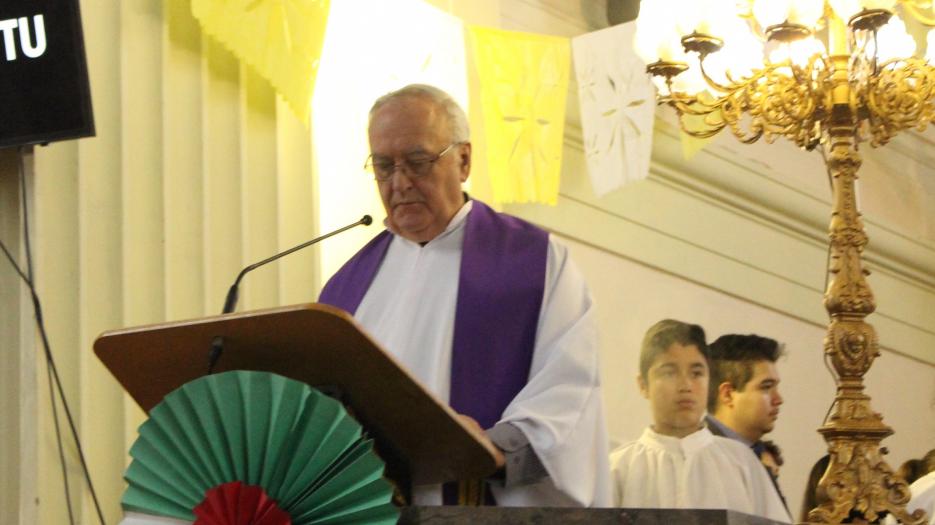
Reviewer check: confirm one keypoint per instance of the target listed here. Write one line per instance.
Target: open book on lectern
(420, 438)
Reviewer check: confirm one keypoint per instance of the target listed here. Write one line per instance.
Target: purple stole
(500, 290)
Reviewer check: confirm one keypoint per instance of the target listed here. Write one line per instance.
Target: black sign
(44, 92)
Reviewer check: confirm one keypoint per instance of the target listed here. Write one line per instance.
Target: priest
(678, 462)
(484, 309)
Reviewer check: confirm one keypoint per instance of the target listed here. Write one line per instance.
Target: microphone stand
(230, 302)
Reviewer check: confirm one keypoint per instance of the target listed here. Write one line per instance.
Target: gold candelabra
(829, 81)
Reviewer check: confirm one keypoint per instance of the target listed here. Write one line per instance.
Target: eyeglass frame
(410, 170)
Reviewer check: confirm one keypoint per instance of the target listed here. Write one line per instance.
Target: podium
(420, 438)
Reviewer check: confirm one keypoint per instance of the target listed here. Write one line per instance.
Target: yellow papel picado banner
(524, 86)
(523, 81)
(281, 39)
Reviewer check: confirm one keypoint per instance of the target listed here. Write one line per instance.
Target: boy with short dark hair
(677, 462)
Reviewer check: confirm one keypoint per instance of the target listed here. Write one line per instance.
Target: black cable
(58, 431)
(58, 442)
(13, 262)
(50, 360)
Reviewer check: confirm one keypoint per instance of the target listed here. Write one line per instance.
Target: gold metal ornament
(835, 101)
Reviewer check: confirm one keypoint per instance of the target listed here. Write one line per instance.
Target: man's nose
(777, 398)
(400, 180)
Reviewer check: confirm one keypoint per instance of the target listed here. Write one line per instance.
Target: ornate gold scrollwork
(852, 347)
(835, 101)
(859, 480)
(901, 96)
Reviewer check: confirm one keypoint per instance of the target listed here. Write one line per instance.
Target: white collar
(687, 445)
(454, 224)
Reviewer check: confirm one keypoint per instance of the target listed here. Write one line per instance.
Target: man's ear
(643, 386)
(725, 394)
(464, 161)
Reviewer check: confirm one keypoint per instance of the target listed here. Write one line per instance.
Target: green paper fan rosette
(298, 445)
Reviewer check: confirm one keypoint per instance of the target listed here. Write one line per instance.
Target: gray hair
(664, 334)
(457, 119)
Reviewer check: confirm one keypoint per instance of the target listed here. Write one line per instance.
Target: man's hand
(471, 423)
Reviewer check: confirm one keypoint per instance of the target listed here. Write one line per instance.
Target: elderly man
(485, 309)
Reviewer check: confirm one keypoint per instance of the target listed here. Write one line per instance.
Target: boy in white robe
(677, 462)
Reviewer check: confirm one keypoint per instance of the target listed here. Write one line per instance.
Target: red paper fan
(237, 504)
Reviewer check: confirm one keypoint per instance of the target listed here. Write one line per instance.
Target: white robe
(923, 496)
(699, 471)
(410, 309)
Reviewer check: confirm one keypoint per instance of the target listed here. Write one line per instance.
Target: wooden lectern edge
(340, 312)
(249, 313)
(480, 437)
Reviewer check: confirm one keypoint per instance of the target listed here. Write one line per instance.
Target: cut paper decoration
(523, 87)
(298, 445)
(617, 102)
(397, 43)
(280, 39)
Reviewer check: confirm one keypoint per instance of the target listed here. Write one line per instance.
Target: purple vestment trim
(347, 287)
(500, 291)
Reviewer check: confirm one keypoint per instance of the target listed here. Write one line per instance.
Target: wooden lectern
(419, 437)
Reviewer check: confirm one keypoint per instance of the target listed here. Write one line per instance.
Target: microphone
(230, 302)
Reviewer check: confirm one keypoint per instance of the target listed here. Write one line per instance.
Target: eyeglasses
(415, 165)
